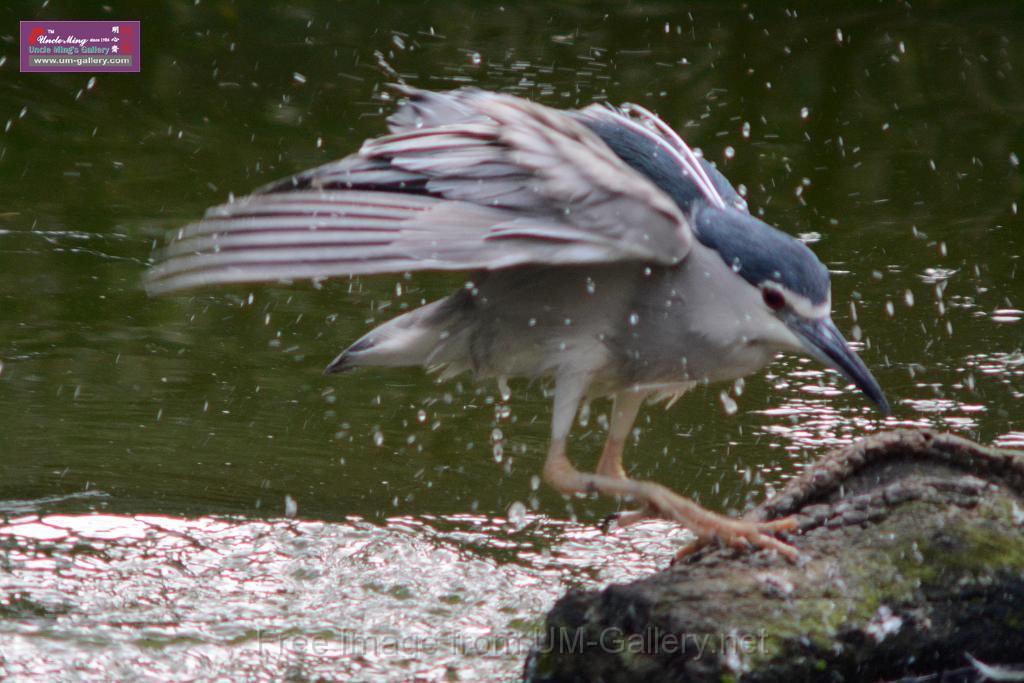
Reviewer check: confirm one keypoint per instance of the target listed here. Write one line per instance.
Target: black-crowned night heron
(604, 252)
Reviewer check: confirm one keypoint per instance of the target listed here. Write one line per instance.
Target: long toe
(784, 524)
(756, 538)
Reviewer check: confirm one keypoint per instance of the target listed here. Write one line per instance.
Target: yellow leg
(610, 479)
(660, 501)
(625, 407)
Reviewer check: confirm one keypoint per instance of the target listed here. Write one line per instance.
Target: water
(184, 494)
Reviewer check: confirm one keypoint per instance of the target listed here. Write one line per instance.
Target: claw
(620, 520)
(609, 523)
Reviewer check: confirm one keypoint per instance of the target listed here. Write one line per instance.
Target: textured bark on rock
(913, 560)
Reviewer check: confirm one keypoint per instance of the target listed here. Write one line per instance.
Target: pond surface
(185, 495)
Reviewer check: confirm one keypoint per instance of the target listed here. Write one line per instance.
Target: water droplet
(730, 152)
(378, 438)
(591, 286)
(839, 35)
(890, 310)
(745, 130)
(421, 415)
(503, 389)
(804, 112)
(475, 58)
(584, 416)
(908, 298)
(634, 319)
(517, 515)
(728, 404)
(291, 508)
(534, 482)
(737, 265)
(739, 385)
(299, 78)
(496, 434)
(532, 322)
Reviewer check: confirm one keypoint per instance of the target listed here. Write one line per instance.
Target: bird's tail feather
(422, 337)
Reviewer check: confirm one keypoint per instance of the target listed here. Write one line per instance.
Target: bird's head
(791, 290)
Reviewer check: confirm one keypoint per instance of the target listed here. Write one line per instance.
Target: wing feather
(466, 180)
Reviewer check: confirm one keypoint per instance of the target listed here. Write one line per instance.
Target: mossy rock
(913, 558)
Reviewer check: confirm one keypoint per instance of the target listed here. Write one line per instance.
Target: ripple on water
(180, 599)
(1010, 440)
(809, 419)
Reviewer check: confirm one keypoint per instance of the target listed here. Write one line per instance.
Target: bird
(604, 255)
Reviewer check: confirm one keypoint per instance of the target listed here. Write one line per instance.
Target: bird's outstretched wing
(466, 180)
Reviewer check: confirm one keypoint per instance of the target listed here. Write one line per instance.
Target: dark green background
(905, 163)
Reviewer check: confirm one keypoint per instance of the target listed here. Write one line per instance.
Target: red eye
(773, 298)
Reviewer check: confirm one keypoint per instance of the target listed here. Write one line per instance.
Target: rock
(913, 562)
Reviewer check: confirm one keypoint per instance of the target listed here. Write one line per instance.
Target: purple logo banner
(94, 46)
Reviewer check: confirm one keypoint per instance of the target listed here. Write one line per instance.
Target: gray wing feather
(467, 180)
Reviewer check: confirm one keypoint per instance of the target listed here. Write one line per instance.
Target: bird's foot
(658, 501)
(711, 527)
(741, 534)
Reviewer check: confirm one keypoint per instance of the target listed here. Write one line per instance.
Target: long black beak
(823, 340)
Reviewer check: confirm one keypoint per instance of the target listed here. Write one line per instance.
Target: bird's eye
(773, 298)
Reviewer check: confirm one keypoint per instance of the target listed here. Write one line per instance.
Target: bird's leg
(625, 407)
(708, 526)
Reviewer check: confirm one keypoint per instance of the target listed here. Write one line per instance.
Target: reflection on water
(424, 598)
(161, 441)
